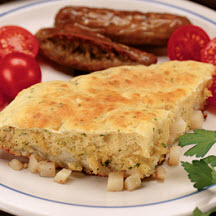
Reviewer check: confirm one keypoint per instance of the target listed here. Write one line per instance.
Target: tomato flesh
(17, 39)
(208, 54)
(1, 100)
(17, 72)
(212, 99)
(186, 43)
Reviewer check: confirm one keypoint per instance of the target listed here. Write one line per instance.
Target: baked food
(180, 87)
(119, 119)
(82, 49)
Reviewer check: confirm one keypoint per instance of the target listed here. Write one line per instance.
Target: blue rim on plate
(150, 1)
(95, 206)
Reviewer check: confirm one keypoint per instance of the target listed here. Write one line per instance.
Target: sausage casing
(127, 27)
(85, 50)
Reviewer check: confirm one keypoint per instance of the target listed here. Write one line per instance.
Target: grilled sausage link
(85, 50)
(127, 27)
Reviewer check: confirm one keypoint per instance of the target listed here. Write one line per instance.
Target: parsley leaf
(210, 160)
(197, 212)
(200, 173)
(203, 140)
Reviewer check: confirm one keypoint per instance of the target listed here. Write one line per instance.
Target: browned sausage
(85, 50)
(127, 27)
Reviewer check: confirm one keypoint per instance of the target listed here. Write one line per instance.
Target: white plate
(23, 193)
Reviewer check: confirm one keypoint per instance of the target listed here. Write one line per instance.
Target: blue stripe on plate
(142, 205)
(94, 206)
(180, 8)
(150, 1)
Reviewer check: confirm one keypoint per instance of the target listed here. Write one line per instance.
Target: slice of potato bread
(118, 119)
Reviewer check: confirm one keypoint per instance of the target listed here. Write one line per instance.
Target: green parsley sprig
(203, 140)
(197, 212)
(201, 172)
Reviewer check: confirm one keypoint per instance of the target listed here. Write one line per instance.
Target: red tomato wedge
(186, 43)
(4, 101)
(212, 100)
(17, 39)
(1, 100)
(17, 72)
(208, 54)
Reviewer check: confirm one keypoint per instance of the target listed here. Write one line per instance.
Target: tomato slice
(186, 43)
(1, 100)
(17, 39)
(17, 72)
(212, 100)
(4, 101)
(208, 54)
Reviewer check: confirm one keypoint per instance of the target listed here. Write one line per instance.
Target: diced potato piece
(178, 127)
(196, 119)
(46, 169)
(115, 181)
(93, 163)
(15, 164)
(160, 173)
(174, 155)
(132, 182)
(33, 163)
(25, 165)
(62, 176)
